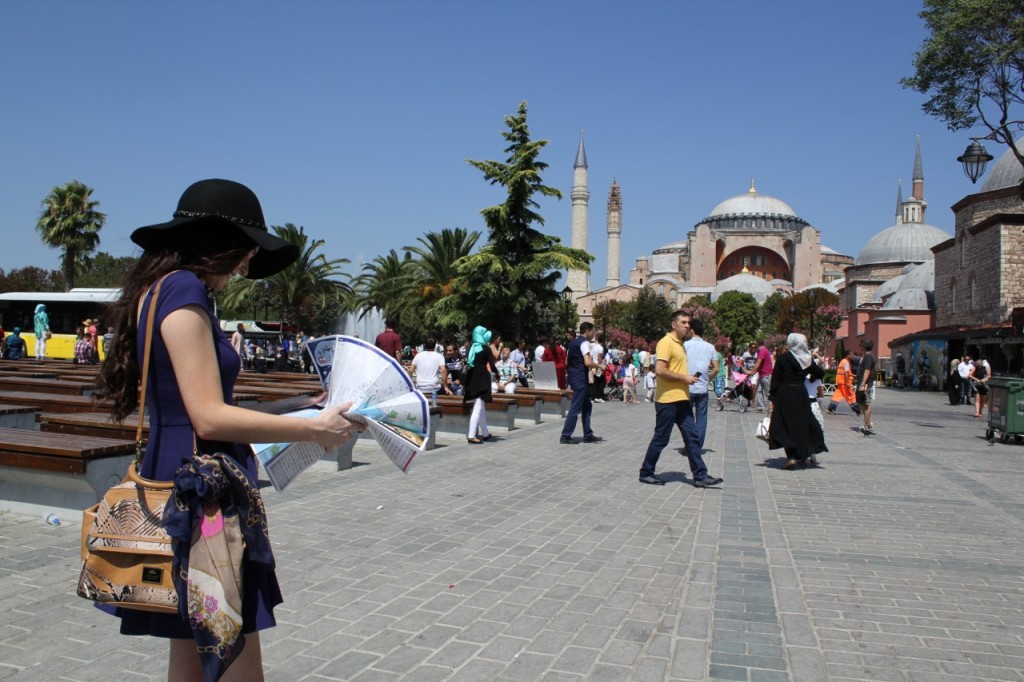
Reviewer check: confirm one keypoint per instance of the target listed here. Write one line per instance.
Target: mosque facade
(889, 291)
(751, 242)
(978, 290)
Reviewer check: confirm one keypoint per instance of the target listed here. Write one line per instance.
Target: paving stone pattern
(901, 558)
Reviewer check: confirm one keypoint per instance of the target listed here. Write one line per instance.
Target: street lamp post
(974, 159)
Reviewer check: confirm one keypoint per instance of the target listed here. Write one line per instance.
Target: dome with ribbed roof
(749, 284)
(1007, 172)
(911, 299)
(903, 242)
(753, 204)
(921, 277)
(752, 211)
(888, 288)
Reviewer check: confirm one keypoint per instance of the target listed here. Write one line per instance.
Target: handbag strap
(147, 346)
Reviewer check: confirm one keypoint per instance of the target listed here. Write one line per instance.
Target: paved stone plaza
(900, 559)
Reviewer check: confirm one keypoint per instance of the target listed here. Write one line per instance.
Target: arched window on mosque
(661, 289)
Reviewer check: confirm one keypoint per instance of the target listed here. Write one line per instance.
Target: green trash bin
(1005, 407)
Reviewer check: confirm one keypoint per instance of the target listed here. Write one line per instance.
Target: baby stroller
(742, 392)
(613, 387)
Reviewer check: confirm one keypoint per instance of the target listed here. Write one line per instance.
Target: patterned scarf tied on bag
(215, 515)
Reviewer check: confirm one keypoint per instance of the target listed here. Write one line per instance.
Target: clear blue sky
(354, 119)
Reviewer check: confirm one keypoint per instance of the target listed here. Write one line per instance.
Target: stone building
(750, 242)
(979, 288)
(888, 291)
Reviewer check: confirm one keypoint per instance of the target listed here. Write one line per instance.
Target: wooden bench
(55, 386)
(18, 416)
(528, 404)
(267, 394)
(455, 413)
(92, 424)
(55, 472)
(55, 402)
(556, 400)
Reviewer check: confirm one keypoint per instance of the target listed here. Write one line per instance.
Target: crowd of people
(218, 231)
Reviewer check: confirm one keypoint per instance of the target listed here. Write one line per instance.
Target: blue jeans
(667, 415)
(579, 407)
(699, 403)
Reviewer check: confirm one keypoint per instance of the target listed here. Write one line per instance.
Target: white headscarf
(798, 348)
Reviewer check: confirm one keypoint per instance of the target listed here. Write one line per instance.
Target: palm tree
(437, 259)
(70, 222)
(304, 291)
(389, 284)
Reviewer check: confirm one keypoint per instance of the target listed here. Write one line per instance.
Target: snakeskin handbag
(126, 553)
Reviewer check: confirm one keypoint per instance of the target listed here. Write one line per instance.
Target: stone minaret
(579, 280)
(899, 201)
(913, 208)
(614, 233)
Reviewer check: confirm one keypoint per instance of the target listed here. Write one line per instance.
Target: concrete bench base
(36, 492)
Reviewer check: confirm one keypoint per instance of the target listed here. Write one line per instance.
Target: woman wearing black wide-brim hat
(217, 231)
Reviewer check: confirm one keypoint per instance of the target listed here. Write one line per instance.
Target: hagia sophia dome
(752, 210)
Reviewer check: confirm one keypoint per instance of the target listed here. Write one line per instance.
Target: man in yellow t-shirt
(672, 406)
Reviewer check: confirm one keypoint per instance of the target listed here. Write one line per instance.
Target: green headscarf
(481, 337)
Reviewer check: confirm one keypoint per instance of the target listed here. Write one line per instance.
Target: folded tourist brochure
(384, 401)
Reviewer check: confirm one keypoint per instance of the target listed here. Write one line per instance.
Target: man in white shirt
(702, 361)
(538, 353)
(429, 369)
(597, 380)
(966, 387)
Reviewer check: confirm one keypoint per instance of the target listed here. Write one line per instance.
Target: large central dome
(750, 203)
(751, 211)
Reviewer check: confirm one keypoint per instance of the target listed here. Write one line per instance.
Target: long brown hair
(120, 375)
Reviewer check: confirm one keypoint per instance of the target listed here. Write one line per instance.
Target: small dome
(921, 277)
(673, 247)
(753, 204)
(748, 284)
(906, 242)
(827, 251)
(1006, 173)
(888, 288)
(910, 299)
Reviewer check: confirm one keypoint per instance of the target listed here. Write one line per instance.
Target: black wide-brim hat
(218, 206)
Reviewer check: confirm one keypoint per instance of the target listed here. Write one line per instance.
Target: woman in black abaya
(793, 426)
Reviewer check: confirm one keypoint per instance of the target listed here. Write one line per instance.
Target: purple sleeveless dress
(170, 446)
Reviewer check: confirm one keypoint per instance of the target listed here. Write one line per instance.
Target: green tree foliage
(71, 223)
(738, 316)
(770, 313)
(799, 313)
(32, 279)
(309, 293)
(650, 315)
(503, 285)
(972, 66)
(436, 258)
(104, 271)
(389, 283)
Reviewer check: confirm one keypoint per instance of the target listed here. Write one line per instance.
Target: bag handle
(147, 346)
